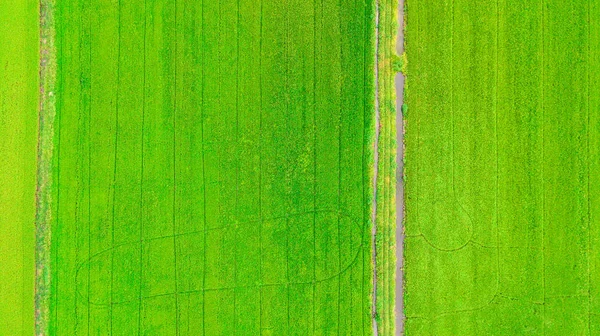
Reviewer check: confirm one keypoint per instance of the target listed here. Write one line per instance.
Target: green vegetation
(386, 174)
(18, 139)
(502, 168)
(212, 168)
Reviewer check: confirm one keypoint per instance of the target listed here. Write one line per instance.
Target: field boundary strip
(385, 194)
(47, 112)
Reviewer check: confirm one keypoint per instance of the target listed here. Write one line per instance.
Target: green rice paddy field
(208, 167)
(19, 58)
(502, 168)
(212, 168)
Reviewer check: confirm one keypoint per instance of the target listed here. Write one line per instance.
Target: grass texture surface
(19, 29)
(385, 210)
(502, 166)
(212, 168)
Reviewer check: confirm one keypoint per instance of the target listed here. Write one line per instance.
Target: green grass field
(19, 29)
(502, 166)
(208, 167)
(212, 168)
